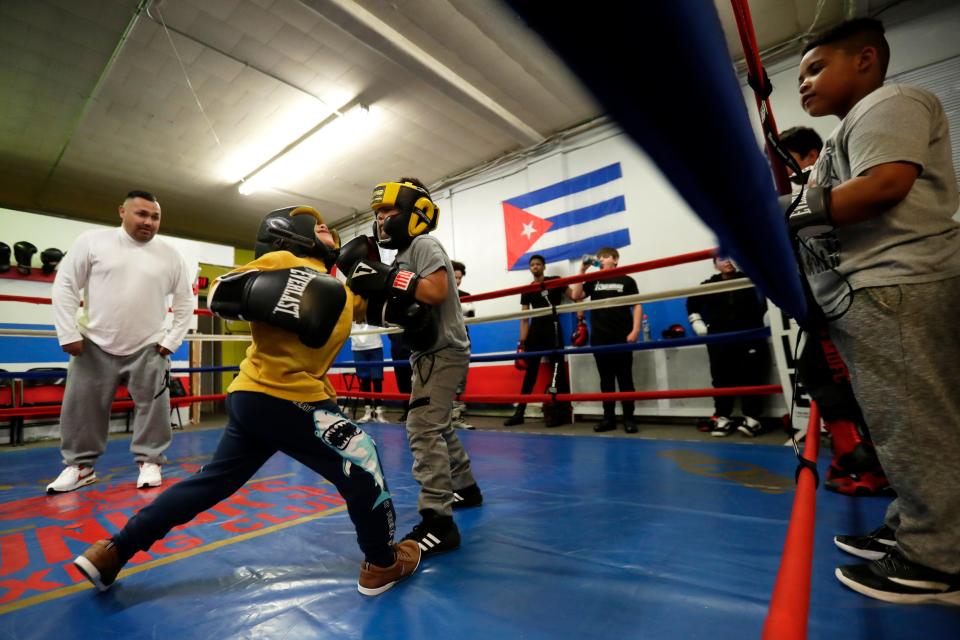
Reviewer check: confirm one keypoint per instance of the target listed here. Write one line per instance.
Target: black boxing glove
(360, 248)
(371, 278)
(24, 251)
(4, 257)
(809, 214)
(50, 258)
(300, 300)
(417, 319)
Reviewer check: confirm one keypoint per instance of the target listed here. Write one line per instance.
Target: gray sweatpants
(92, 379)
(902, 346)
(440, 463)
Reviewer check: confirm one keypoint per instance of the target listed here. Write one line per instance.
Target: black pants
(259, 426)
(615, 369)
(372, 385)
(738, 364)
(827, 379)
(533, 368)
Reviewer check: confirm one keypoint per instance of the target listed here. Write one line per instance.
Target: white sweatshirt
(125, 287)
(365, 342)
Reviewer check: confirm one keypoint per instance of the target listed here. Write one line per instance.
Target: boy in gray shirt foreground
(881, 251)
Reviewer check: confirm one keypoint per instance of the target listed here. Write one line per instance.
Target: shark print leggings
(315, 434)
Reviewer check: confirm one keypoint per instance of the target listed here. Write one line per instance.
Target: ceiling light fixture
(301, 155)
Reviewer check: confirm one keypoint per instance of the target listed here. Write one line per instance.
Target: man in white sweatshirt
(126, 276)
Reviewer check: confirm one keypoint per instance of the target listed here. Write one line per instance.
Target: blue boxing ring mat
(578, 537)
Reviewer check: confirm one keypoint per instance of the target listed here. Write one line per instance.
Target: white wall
(918, 42)
(46, 231)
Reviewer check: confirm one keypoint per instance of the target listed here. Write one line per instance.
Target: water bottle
(645, 324)
(588, 259)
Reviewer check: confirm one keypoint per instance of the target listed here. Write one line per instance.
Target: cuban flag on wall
(568, 219)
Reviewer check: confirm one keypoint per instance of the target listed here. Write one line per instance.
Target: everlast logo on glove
(289, 301)
(363, 269)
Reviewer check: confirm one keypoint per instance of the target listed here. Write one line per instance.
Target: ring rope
(557, 283)
(703, 289)
(35, 300)
(618, 396)
(731, 336)
(789, 610)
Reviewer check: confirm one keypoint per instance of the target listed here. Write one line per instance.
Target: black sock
(384, 558)
(123, 553)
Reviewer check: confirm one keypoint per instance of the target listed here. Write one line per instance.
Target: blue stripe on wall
(490, 337)
(22, 350)
(573, 250)
(494, 337)
(566, 187)
(586, 214)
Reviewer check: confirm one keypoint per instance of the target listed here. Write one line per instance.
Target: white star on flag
(528, 230)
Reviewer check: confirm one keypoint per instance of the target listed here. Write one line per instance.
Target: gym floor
(581, 536)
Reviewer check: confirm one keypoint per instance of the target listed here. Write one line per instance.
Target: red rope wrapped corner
(790, 604)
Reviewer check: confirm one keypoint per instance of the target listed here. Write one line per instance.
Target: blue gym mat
(578, 537)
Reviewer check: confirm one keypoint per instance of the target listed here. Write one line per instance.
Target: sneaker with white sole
(750, 427)
(378, 416)
(722, 426)
(72, 478)
(872, 546)
(460, 423)
(435, 534)
(375, 580)
(894, 578)
(367, 415)
(100, 564)
(149, 476)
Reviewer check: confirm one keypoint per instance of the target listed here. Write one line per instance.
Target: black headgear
(24, 251)
(293, 229)
(4, 257)
(418, 213)
(50, 258)
(674, 331)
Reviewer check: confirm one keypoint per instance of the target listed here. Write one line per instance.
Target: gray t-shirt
(424, 256)
(915, 241)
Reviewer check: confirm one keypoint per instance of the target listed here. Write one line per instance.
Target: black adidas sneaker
(467, 497)
(435, 534)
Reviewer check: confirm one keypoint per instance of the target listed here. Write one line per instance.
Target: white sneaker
(378, 415)
(149, 475)
(750, 427)
(71, 478)
(367, 415)
(461, 424)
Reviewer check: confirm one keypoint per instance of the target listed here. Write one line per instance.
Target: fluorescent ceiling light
(301, 156)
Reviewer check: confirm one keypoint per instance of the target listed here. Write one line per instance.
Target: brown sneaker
(375, 580)
(100, 564)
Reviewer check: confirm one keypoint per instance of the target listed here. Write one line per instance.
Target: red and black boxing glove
(521, 362)
(580, 335)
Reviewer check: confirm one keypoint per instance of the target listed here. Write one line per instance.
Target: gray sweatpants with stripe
(440, 463)
(92, 380)
(902, 346)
